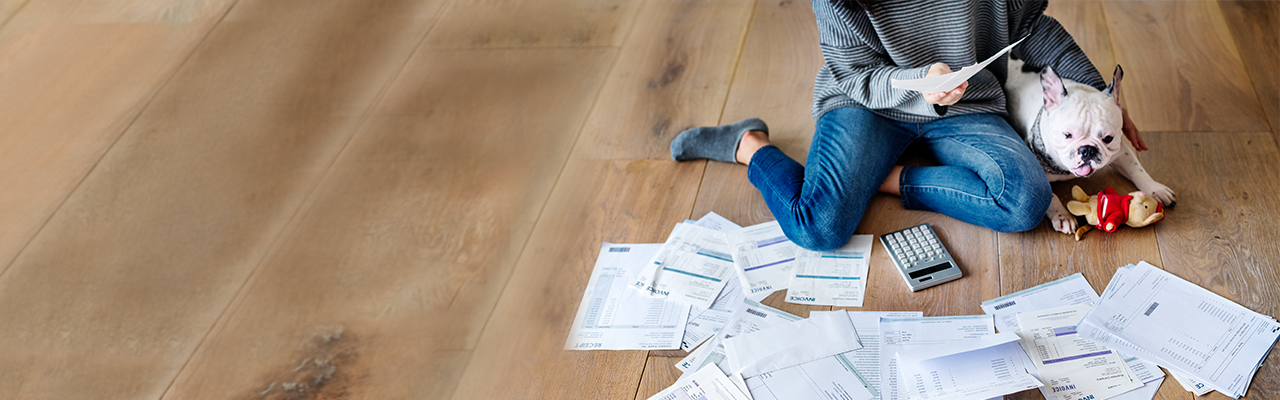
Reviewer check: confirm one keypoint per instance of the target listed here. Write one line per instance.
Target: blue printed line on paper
(1077, 357)
(771, 241)
(830, 277)
(715, 254)
(769, 264)
(691, 274)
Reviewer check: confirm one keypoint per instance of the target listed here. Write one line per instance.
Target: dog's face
(1081, 129)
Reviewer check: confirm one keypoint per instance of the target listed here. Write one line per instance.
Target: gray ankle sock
(718, 143)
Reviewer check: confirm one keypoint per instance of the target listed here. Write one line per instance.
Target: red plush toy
(1107, 210)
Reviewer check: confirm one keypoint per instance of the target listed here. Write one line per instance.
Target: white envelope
(823, 335)
(920, 353)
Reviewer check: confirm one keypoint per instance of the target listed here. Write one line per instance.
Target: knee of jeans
(818, 239)
(1025, 212)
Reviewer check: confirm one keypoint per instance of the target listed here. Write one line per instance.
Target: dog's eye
(1067, 134)
(1108, 139)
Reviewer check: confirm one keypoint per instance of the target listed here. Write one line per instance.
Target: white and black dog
(1074, 130)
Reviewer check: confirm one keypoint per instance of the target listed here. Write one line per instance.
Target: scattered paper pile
(700, 291)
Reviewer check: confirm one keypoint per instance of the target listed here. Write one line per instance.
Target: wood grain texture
(419, 222)
(525, 24)
(1182, 69)
(1087, 23)
(1255, 26)
(68, 90)
(672, 74)
(112, 297)
(659, 373)
(1220, 236)
(522, 345)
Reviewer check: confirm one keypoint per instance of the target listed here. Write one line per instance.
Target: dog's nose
(1088, 153)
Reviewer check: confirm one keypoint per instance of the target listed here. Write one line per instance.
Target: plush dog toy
(1107, 210)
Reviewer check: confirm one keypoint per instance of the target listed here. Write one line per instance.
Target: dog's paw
(1062, 221)
(1160, 192)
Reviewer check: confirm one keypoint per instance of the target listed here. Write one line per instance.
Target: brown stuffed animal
(1107, 210)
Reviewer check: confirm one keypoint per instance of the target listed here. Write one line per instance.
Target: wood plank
(673, 74)
(113, 296)
(68, 90)
(677, 47)
(1219, 236)
(1253, 26)
(408, 242)
(1087, 24)
(522, 345)
(659, 373)
(1183, 71)
(525, 24)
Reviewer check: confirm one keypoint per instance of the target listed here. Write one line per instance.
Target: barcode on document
(619, 249)
(1152, 308)
(1003, 305)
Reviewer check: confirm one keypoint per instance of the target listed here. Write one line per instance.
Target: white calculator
(920, 257)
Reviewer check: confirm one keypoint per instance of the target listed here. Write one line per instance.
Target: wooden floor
(403, 199)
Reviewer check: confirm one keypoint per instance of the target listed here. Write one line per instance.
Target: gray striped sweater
(865, 48)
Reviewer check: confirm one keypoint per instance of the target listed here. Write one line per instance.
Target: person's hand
(1131, 131)
(944, 98)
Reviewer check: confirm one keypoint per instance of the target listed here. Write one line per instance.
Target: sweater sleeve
(860, 71)
(1049, 44)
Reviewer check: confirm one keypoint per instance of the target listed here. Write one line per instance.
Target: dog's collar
(1037, 142)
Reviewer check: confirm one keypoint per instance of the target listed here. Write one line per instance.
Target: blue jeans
(988, 177)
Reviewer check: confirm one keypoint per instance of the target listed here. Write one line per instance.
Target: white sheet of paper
(613, 317)
(898, 334)
(1190, 385)
(790, 344)
(706, 384)
(1183, 327)
(764, 257)
(691, 267)
(827, 378)
(749, 317)
(703, 325)
(1071, 367)
(977, 374)
(943, 83)
(866, 361)
(1073, 289)
(832, 278)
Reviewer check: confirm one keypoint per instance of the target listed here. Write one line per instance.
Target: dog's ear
(1113, 90)
(1054, 92)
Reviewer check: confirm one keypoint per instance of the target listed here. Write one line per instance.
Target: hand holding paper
(944, 83)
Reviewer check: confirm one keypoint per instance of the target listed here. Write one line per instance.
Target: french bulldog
(1074, 130)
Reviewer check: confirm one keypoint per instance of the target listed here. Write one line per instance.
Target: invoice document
(833, 278)
(1186, 328)
(989, 371)
(705, 322)
(749, 317)
(690, 267)
(1071, 367)
(943, 83)
(764, 257)
(822, 335)
(706, 384)
(900, 334)
(827, 378)
(613, 317)
(1073, 289)
(866, 361)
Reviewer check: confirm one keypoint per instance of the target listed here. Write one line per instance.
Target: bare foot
(751, 142)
